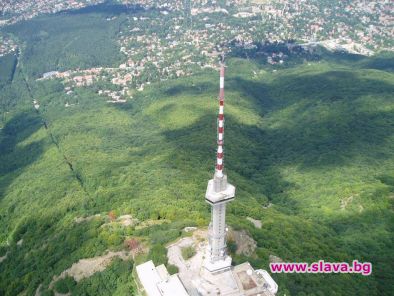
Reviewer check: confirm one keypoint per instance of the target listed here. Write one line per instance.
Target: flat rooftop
(156, 281)
(253, 282)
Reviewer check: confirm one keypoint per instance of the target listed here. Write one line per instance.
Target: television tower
(219, 193)
(215, 276)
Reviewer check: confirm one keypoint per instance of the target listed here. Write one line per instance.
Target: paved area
(239, 280)
(188, 269)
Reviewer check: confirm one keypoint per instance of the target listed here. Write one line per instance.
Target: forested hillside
(76, 40)
(310, 148)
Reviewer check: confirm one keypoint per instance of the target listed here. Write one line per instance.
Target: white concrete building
(156, 281)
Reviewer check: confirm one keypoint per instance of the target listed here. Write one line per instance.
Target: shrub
(158, 254)
(172, 269)
(188, 252)
(232, 246)
(65, 285)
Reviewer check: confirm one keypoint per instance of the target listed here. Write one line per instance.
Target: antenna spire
(220, 127)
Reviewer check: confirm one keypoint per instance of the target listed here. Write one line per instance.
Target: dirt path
(38, 291)
(4, 257)
(256, 223)
(85, 268)
(84, 219)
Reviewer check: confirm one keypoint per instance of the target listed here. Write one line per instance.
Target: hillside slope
(315, 140)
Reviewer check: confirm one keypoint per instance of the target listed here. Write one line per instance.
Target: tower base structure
(239, 280)
(195, 278)
(217, 266)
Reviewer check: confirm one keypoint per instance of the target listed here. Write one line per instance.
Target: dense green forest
(78, 39)
(7, 69)
(315, 139)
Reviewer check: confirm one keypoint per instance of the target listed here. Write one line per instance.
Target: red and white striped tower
(219, 192)
(219, 158)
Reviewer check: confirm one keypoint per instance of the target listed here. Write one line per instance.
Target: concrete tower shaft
(217, 232)
(219, 192)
